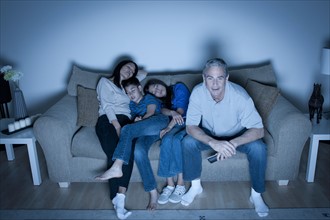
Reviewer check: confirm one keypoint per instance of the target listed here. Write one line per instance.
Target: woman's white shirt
(112, 100)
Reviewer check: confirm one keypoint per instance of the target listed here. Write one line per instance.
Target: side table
(320, 132)
(24, 136)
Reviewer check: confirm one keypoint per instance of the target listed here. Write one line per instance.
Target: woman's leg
(108, 139)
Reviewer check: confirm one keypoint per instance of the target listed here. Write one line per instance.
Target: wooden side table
(24, 136)
(320, 132)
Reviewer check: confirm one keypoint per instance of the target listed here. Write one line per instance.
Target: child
(146, 113)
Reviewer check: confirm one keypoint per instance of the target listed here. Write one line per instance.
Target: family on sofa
(90, 120)
(220, 116)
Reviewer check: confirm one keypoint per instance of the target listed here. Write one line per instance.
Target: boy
(146, 113)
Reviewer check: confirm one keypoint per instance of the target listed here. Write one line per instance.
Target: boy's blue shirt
(140, 109)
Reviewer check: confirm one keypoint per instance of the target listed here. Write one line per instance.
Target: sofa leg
(282, 182)
(64, 184)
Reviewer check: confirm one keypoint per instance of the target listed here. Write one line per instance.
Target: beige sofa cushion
(87, 106)
(263, 74)
(85, 78)
(264, 97)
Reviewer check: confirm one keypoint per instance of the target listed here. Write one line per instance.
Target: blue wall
(44, 38)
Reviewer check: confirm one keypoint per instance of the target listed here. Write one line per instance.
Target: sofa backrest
(262, 73)
(259, 81)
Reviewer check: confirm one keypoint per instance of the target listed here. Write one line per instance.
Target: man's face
(134, 93)
(215, 80)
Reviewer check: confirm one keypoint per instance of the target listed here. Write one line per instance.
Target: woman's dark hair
(167, 100)
(116, 71)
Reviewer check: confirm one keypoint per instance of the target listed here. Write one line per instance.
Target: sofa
(66, 131)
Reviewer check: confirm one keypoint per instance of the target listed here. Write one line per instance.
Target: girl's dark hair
(116, 71)
(167, 100)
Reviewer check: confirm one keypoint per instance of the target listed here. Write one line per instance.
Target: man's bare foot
(153, 200)
(113, 172)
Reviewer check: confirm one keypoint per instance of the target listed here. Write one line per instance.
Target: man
(222, 116)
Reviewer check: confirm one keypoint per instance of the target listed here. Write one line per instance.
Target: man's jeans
(170, 157)
(147, 127)
(256, 152)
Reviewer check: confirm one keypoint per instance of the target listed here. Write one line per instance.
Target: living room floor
(18, 191)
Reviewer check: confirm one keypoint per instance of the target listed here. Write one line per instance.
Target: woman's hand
(117, 126)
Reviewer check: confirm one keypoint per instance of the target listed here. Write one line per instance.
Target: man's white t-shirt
(226, 118)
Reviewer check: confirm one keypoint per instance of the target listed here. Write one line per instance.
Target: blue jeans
(256, 152)
(147, 127)
(170, 157)
(142, 161)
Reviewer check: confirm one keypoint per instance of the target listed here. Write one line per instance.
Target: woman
(175, 99)
(114, 113)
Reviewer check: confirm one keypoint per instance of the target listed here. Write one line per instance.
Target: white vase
(19, 106)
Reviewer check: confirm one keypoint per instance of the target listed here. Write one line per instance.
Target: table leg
(312, 157)
(34, 162)
(10, 152)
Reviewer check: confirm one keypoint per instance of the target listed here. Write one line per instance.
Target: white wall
(44, 38)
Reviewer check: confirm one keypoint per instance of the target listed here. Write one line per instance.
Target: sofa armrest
(54, 131)
(290, 129)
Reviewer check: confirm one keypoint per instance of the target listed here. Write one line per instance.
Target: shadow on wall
(109, 70)
(46, 103)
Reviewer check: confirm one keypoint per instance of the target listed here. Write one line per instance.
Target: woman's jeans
(147, 127)
(170, 157)
(256, 152)
(108, 137)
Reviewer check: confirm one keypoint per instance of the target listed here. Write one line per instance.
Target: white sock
(195, 189)
(119, 205)
(259, 204)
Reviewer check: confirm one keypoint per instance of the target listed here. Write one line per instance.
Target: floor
(18, 191)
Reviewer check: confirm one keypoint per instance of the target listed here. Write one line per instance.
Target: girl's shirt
(180, 97)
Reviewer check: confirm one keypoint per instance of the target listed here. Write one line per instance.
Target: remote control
(212, 158)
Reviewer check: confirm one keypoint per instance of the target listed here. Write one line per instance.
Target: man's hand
(225, 149)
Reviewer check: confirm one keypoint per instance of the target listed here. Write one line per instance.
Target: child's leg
(153, 200)
(147, 127)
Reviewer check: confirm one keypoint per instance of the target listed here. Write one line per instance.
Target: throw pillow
(87, 106)
(264, 97)
(263, 73)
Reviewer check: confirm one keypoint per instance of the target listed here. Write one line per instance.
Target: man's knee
(188, 142)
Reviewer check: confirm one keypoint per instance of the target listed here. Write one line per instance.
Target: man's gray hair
(217, 62)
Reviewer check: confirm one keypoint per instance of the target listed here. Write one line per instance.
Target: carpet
(228, 214)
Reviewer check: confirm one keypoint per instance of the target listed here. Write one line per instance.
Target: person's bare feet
(153, 200)
(113, 172)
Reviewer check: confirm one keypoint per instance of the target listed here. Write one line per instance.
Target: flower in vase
(11, 74)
